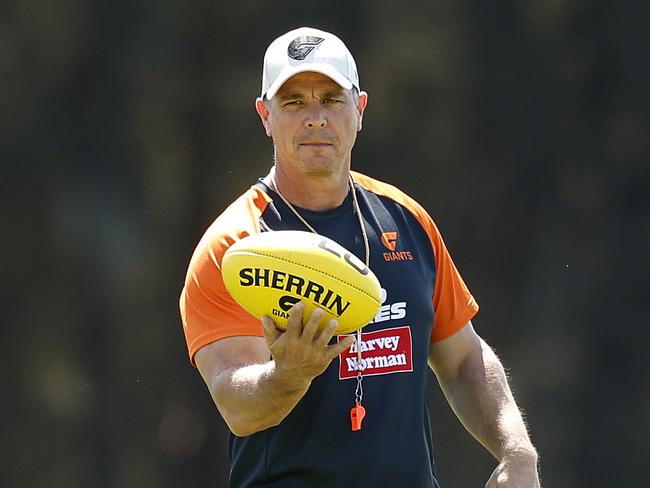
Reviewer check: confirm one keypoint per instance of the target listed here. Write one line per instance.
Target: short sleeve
(208, 311)
(453, 303)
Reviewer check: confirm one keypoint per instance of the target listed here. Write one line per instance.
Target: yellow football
(268, 273)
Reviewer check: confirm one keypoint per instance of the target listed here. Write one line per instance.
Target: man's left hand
(515, 472)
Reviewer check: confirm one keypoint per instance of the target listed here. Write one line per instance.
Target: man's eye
(330, 100)
(293, 102)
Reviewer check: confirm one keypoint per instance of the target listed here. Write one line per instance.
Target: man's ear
(362, 103)
(263, 111)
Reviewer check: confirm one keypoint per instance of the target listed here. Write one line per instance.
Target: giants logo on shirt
(389, 240)
(382, 352)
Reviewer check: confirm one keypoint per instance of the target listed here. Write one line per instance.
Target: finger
(337, 348)
(327, 333)
(294, 323)
(310, 328)
(271, 332)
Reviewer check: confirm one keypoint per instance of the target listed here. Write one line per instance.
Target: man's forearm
(252, 393)
(255, 397)
(481, 398)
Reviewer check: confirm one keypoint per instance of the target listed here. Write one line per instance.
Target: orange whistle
(356, 416)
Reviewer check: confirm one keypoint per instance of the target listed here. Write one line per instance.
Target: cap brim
(324, 69)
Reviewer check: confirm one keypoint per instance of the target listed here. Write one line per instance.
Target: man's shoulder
(239, 219)
(244, 210)
(383, 189)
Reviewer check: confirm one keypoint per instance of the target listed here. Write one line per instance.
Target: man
(286, 396)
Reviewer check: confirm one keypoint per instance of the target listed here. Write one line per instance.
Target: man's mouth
(316, 144)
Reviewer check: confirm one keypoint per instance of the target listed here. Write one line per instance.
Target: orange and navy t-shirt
(424, 300)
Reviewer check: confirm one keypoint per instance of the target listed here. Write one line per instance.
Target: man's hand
(253, 393)
(300, 354)
(515, 472)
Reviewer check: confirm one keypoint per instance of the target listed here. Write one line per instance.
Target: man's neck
(316, 193)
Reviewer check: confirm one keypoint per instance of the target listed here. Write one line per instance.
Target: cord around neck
(356, 207)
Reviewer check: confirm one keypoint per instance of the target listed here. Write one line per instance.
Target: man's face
(313, 123)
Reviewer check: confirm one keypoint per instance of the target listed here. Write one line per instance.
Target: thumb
(271, 332)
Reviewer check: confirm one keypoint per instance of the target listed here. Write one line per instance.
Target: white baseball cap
(307, 49)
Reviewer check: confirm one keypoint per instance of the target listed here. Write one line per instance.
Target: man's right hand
(253, 393)
(301, 353)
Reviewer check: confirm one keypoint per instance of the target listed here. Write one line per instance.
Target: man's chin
(321, 167)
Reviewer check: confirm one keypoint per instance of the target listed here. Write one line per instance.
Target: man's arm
(475, 385)
(256, 382)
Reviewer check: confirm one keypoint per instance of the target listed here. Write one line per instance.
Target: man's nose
(316, 117)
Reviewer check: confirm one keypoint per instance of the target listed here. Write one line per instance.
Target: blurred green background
(127, 126)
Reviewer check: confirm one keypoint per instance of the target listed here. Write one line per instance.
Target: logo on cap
(301, 46)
